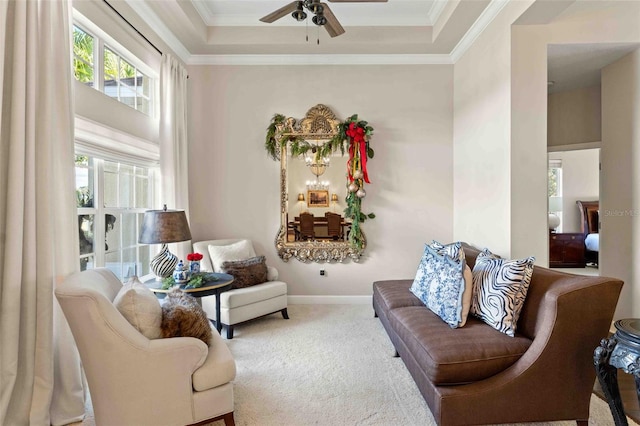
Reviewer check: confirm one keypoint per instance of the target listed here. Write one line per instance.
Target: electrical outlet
(322, 272)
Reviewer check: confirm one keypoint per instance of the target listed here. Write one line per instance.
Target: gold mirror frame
(320, 123)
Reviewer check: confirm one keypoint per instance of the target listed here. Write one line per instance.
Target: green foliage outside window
(552, 182)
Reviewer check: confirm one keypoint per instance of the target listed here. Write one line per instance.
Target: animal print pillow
(500, 287)
(182, 316)
(453, 250)
(246, 273)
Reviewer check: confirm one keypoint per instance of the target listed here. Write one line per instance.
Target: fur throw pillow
(182, 316)
(246, 273)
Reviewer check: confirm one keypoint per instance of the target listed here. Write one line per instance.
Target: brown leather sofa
(478, 375)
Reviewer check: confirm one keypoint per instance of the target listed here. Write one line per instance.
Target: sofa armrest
(272, 273)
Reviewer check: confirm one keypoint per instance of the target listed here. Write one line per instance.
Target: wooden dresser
(566, 250)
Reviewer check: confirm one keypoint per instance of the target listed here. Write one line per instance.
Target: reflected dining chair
(307, 230)
(334, 226)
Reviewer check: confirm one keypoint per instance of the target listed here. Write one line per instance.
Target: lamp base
(554, 221)
(163, 264)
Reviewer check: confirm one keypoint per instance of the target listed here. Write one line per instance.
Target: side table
(221, 284)
(622, 350)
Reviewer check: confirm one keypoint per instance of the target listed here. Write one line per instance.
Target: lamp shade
(164, 226)
(334, 197)
(555, 204)
(300, 197)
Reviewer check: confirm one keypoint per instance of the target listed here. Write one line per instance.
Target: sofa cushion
(391, 294)
(455, 356)
(500, 287)
(257, 293)
(440, 283)
(246, 273)
(240, 250)
(140, 307)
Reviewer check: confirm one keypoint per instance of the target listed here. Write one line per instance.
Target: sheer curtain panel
(40, 374)
(174, 161)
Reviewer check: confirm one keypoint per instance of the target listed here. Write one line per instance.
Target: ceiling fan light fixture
(299, 15)
(319, 20)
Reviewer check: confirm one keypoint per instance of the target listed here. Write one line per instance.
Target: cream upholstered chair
(137, 381)
(242, 304)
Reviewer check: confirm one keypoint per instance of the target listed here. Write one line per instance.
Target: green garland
(343, 141)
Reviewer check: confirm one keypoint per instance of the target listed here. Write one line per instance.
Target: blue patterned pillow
(500, 287)
(440, 284)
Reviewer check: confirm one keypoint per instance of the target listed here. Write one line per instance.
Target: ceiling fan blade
(285, 10)
(332, 26)
(358, 1)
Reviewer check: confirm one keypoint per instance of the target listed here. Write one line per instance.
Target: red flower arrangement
(194, 256)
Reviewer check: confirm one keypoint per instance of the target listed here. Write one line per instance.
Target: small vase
(194, 266)
(181, 273)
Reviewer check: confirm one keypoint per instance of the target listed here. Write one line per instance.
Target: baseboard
(329, 300)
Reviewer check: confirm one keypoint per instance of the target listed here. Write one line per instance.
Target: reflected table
(222, 283)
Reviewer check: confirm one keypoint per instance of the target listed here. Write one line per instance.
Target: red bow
(356, 134)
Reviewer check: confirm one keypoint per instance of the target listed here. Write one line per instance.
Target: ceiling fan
(323, 16)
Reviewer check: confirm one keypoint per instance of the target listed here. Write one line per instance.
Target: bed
(589, 223)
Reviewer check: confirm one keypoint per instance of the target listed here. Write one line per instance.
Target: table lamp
(555, 205)
(163, 227)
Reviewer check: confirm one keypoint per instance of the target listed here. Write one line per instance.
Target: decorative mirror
(321, 211)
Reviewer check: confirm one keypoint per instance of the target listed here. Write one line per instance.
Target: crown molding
(333, 59)
(486, 17)
(354, 21)
(435, 11)
(142, 9)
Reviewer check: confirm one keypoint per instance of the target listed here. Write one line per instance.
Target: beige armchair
(243, 304)
(137, 381)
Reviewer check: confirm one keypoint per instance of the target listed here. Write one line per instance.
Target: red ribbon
(356, 134)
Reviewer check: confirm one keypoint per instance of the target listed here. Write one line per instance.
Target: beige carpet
(329, 365)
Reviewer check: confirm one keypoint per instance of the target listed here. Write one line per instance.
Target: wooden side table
(622, 350)
(222, 284)
(566, 250)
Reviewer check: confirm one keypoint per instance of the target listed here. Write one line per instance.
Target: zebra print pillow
(499, 289)
(440, 285)
(453, 250)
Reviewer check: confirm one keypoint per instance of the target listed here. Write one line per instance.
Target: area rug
(330, 365)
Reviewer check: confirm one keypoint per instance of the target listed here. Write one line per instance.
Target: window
(102, 67)
(111, 199)
(83, 47)
(554, 181)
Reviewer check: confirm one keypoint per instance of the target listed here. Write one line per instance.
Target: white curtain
(40, 375)
(174, 161)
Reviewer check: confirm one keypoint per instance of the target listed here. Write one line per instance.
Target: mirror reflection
(313, 187)
(316, 189)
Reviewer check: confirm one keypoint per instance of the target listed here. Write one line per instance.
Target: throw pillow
(237, 251)
(140, 307)
(440, 285)
(500, 287)
(182, 316)
(246, 273)
(453, 250)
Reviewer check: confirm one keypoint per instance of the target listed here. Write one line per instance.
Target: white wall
(613, 22)
(234, 186)
(619, 202)
(580, 181)
(482, 139)
(574, 116)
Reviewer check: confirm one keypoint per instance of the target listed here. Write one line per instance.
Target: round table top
(628, 329)
(221, 281)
